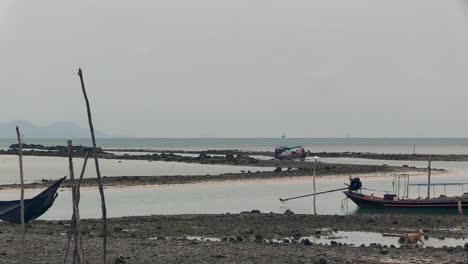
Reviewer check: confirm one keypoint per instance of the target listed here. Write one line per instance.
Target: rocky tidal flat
(240, 238)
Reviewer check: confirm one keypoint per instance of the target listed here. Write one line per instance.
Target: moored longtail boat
(394, 201)
(388, 201)
(33, 208)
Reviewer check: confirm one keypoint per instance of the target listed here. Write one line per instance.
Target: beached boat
(286, 153)
(394, 200)
(33, 208)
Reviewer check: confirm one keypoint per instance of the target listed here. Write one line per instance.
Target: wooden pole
(76, 210)
(460, 208)
(315, 165)
(98, 172)
(429, 178)
(312, 194)
(72, 225)
(23, 225)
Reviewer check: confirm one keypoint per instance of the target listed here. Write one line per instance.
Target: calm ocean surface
(381, 145)
(225, 197)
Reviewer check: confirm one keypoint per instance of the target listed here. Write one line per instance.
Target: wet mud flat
(237, 238)
(322, 171)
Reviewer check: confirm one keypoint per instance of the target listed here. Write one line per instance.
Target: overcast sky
(239, 68)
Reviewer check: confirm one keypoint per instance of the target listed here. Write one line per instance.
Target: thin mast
(429, 178)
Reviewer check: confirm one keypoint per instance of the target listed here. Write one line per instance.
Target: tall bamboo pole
(72, 225)
(76, 210)
(429, 178)
(315, 165)
(98, 172)
(20, 154)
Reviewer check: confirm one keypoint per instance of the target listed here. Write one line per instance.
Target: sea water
(37, 168)
(232, 196)
(222, 197)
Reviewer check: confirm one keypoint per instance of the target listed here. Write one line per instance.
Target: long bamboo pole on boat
(23, 225)
(429, 178)
(76, 210)
(98, 172)
(312, 194)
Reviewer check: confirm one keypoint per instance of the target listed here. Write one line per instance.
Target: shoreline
(134, 181)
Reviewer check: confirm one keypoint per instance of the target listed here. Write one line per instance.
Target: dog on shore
(413, 238)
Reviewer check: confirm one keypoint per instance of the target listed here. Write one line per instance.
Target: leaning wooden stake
(98, 172)
(429, 178)
(76, 210)
(315, 165)
(23, 226)
(73, 220)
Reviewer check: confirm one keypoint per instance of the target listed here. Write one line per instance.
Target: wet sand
(323, 170)
(162, 239)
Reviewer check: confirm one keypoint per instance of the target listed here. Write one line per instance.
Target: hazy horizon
(239, 69)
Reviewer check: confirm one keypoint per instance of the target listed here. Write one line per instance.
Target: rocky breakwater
(385, 156)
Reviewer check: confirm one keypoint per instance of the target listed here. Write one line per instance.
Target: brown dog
(414, 237)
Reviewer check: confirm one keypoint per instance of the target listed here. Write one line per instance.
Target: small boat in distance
(287, 153)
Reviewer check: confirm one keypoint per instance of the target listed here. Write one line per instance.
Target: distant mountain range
(54, 130)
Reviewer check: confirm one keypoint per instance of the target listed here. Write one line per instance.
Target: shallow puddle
(357, 239)
(351, 238)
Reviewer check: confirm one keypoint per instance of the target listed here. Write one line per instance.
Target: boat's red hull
(378, 202)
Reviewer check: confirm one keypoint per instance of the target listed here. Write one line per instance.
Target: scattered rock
(323, 261)
(119, 260)
(383, 251)
(248, 231)
(288, 212)
(258, 238)
(306, 242)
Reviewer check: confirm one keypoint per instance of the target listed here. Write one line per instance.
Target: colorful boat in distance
(396, 200)
(287, 153)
